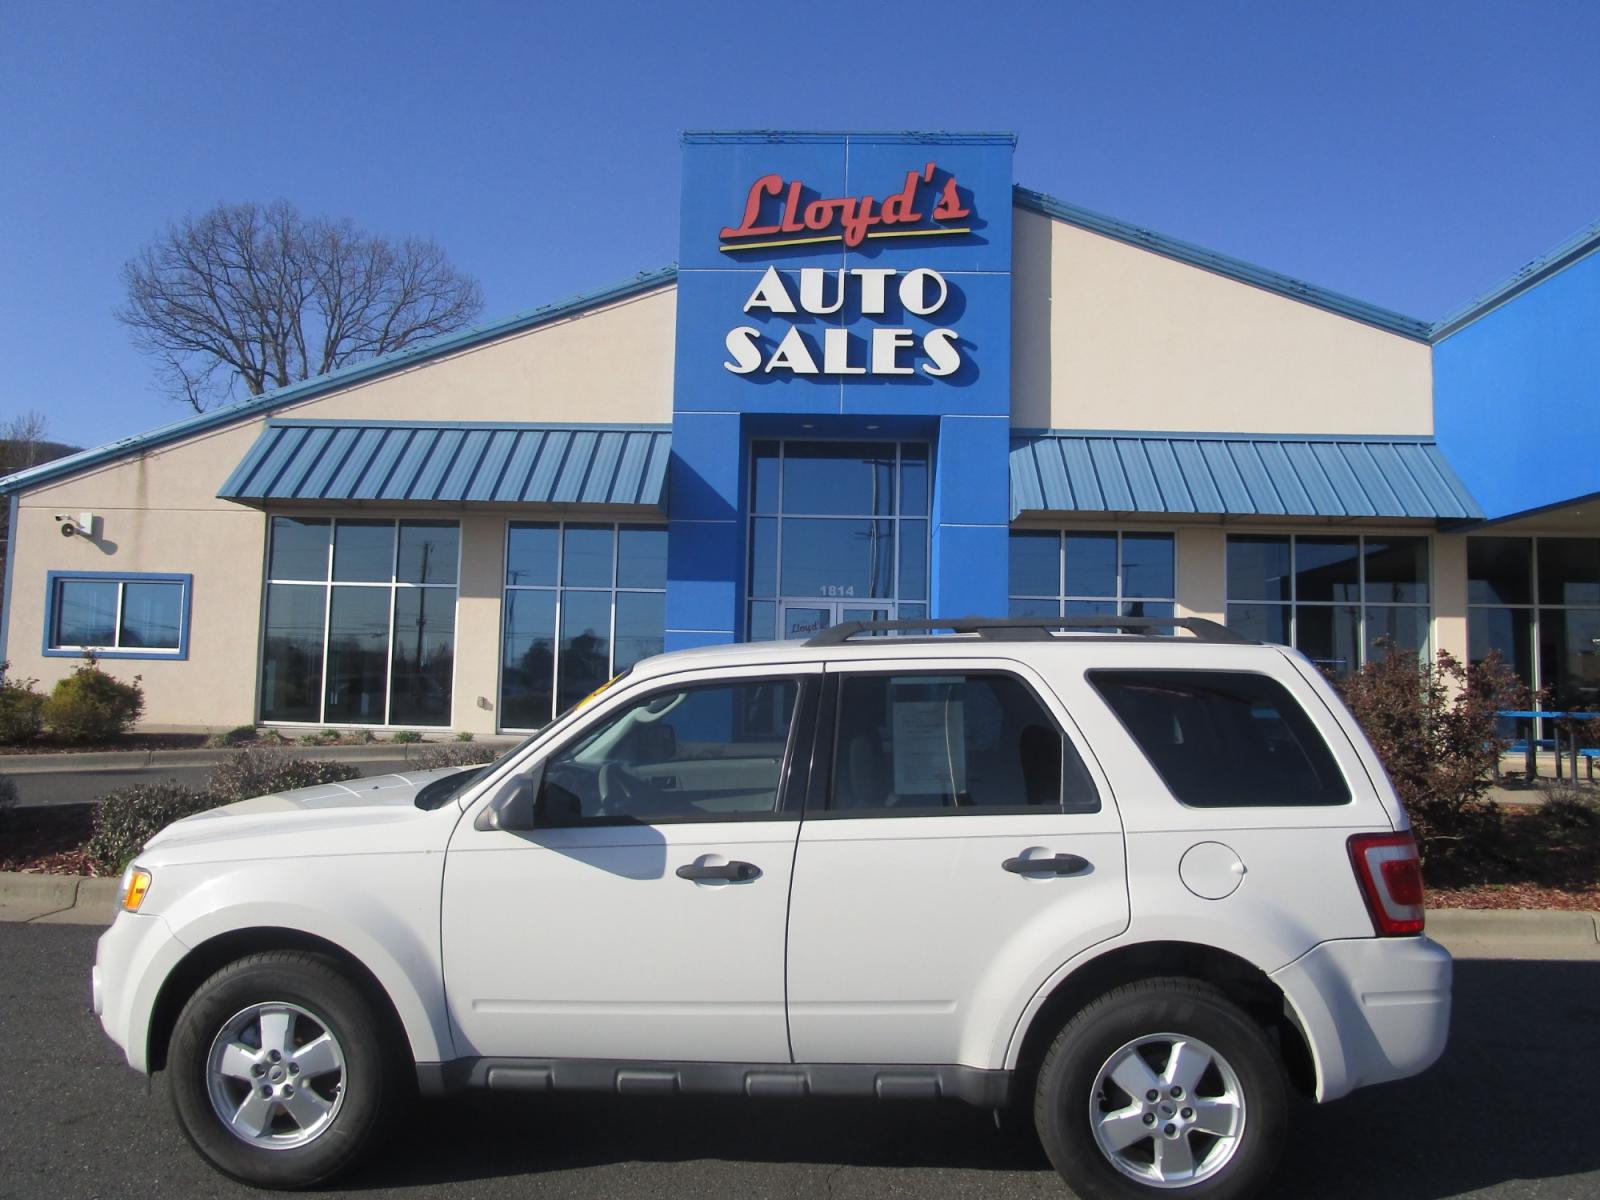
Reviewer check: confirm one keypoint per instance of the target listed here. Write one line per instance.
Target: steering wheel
(617, 785)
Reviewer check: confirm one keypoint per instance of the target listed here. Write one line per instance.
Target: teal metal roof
(453, 463)
(1235, 474)
(256, 406)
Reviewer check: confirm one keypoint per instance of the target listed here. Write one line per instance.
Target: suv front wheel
(1162, 1086)
(280, 1076)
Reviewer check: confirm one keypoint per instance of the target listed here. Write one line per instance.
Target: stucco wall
(1110, 336)
(159, 512)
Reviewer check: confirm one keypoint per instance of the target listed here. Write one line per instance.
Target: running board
(986, 1089)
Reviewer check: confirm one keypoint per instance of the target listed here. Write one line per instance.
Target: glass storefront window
(360, 621)
(561, 641)
(1091, 573)
(1340, 600)
(835, 524)
(1536, 602)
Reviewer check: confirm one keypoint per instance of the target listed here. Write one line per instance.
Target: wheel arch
(210, 956)
(1244, 983)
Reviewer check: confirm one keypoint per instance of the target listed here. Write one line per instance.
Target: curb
(136, 760)
(57, 899)
(1515, 933)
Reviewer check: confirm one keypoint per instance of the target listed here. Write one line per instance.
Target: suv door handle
(1060, 864)
(733, 872)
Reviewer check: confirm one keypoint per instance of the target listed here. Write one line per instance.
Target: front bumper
(1372, 1009)
(132, 959)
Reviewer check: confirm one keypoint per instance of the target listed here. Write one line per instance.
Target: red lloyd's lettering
(855, 215)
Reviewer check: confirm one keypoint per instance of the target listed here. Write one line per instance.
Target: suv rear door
(958, 845)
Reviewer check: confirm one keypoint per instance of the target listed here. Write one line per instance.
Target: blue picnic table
(1531, 743)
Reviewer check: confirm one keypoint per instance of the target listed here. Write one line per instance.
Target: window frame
(328, 583)
(559, 588)
(793, 768)
(1062, 597)
(819, 796)
(1293, 604)
(53, 580)
(1305, 710)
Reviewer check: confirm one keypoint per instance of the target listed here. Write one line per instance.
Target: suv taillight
(1390, 874)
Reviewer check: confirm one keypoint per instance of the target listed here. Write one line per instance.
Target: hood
(337, 816)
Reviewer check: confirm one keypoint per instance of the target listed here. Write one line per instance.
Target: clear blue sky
(1410, 155)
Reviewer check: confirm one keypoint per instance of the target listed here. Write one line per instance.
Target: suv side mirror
(512, 811)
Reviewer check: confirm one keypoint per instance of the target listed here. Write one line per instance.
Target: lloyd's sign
(779, 215)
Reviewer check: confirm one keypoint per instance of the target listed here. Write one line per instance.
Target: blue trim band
(1580, 245)
(181, 654)
(11, 568)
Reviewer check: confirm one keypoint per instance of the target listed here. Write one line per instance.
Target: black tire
(359, 1096)
(1067, 1093)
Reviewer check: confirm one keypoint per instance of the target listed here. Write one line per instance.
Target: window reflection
(610, 606)
(387, 620)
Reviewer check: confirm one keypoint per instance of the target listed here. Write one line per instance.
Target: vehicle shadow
(1498, 1107)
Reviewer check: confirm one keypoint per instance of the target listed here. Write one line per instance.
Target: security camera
(76, 524)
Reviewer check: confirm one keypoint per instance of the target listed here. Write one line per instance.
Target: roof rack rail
(1028, 629)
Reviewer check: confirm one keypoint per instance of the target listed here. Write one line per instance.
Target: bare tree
(246, 298)
(22, 442)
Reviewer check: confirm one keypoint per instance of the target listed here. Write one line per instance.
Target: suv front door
(959, 850)
(644, 917)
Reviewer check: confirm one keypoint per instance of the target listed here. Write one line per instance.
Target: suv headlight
(135, 885)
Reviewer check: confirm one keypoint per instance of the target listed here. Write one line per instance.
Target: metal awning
(453, 463)
(1235, 474)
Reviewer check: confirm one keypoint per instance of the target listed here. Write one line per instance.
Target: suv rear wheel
(1162, 1086)
(280, 1077)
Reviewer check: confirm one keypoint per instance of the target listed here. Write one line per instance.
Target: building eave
(400, 360)
(1223, 264)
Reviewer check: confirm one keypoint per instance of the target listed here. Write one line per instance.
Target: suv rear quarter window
(1225, 739)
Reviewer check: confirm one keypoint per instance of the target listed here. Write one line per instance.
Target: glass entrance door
(804, 618)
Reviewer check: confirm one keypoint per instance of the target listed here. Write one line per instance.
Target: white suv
(1145, 886)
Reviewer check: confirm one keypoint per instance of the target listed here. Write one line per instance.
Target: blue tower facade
(841, 409)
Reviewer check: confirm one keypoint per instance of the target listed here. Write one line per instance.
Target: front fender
(391, 929)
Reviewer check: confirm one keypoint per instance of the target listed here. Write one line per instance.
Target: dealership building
(883, 380)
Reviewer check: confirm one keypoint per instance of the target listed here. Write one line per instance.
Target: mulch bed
(47, 840)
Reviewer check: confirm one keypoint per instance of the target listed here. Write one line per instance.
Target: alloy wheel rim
(1167, 1110)
(275, 1075)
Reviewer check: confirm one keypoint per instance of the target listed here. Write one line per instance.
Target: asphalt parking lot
(1507, 1114)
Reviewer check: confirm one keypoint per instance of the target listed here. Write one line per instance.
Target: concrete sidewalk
(130, 760)
(1466, 933)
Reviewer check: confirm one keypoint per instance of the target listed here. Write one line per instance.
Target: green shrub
(237, 736)
(464, 736)
(91, 706)
(272, 737)
(21, 709)
(252, 772)
(454, 756)
(129, 817)
(405, 736)
(1434, 727)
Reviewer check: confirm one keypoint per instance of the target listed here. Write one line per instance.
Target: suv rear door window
(1224, 739)
(953, 743)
